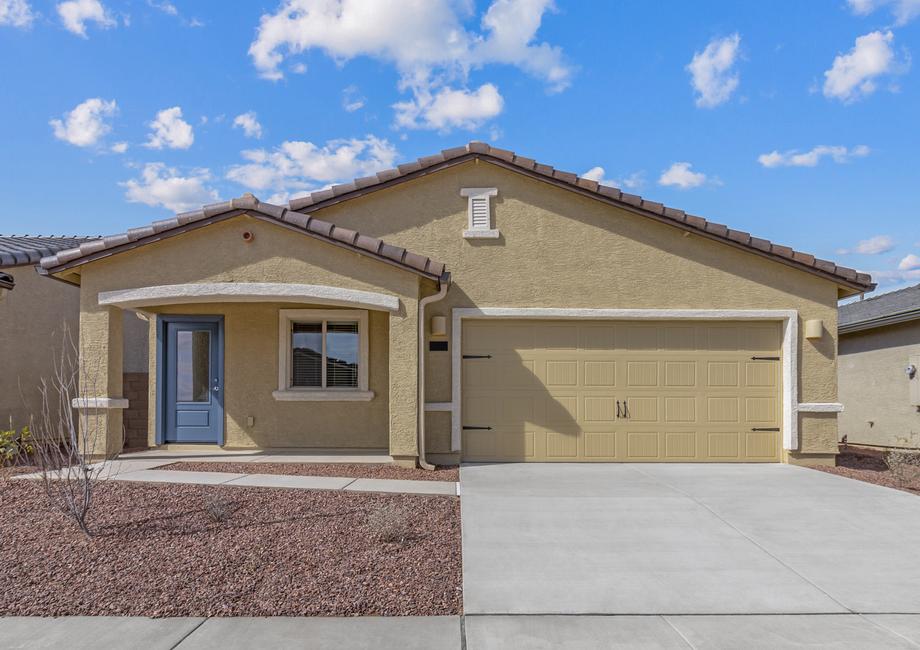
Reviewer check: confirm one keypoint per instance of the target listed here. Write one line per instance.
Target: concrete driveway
(685, 539)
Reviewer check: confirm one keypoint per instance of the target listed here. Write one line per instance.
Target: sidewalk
(865, 632)
(145, 471)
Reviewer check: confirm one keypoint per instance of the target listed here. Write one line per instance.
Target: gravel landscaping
(158, 552)
(869, 465)
(354, 470)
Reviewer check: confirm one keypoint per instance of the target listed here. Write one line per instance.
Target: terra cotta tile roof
(246, 204)
(841, 274)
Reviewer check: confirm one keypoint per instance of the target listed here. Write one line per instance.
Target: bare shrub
(218, 507)
(68, 444)
(391, 524)
(904, 466)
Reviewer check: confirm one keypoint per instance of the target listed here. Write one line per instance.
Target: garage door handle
(477, 356)
(477, 428)
(765, 429)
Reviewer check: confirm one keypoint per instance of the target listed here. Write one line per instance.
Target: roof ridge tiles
(659, 210)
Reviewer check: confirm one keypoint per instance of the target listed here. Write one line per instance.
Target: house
(476, 305)
(879, 359)
(32, 322)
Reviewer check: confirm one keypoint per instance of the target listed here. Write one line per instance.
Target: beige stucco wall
(874, 388)
(32, 318)
(217, 253)
(560, 249)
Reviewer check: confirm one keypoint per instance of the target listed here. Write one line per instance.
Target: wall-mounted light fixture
(814, 329)
(438, 326)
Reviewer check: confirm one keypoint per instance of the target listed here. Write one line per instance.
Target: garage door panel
(687, 391)
(641, 373)
(680, 373)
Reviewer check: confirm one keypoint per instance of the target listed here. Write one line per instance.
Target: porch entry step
(216, 454)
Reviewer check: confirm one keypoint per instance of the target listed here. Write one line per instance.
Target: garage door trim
(790, 346)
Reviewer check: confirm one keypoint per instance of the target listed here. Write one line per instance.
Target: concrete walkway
(145, 471)
(685, 539)
(470, 632)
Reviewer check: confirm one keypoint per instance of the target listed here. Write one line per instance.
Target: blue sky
(796, 121)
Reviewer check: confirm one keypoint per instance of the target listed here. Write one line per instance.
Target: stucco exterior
(32, 319)
(556, 249)
(560, 249)
(251, 334)
(875, 389)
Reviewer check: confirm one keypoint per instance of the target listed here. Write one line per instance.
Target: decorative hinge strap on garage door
(466, 428)
(765, 429)
(764, 358)
(477, 356)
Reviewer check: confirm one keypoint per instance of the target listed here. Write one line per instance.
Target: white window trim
(288, 393)
(479, 193)
(790, 347)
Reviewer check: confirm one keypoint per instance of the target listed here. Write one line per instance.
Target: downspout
(444, 285)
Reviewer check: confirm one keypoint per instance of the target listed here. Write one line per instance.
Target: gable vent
(480, 213)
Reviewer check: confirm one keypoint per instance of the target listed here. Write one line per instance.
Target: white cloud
(249, 123)
(712, 71)
(352, 99)
(890, 278)
(853, 75)
(165, 6)
(162, 186)
(904, 10)
(679, 175)
(450, 108)
(297, 166)
(75, 14)
(119, 147)
(909, 262)
(16, 13)
(425, 40)
(872, 246)
(795, 158)
(86, 124)
(170, 130)
(631, 182)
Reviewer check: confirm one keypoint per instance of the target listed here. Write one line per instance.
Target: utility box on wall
(914, 381)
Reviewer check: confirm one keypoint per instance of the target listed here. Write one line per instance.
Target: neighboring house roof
(6, 281)
(842, 275)
(18, 250)
(878, 311)
(246, 204)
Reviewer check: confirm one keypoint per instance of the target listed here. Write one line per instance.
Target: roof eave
(880, 321)
(851, 287)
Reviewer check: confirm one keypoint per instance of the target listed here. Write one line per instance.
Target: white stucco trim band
(99, 403)
(789, 359)
(174, 294)
(820, 407)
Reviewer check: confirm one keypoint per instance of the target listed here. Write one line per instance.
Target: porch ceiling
(173, 294)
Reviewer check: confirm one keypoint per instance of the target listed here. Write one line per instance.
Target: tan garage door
(621, 391)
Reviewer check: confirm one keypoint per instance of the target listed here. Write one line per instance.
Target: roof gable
(251, 206)
(843, 276)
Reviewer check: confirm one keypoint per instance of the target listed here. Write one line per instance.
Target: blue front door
(193, 381)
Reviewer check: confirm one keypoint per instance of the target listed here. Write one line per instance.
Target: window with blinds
(325, 354)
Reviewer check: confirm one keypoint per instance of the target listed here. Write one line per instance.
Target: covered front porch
(259, 339)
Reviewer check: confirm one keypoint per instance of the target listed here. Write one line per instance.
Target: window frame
(287, 392)
(478, 232)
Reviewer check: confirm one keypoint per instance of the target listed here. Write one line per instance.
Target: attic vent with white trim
(480, 213)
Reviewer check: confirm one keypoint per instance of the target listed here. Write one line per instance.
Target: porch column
(404, 385)
(101, 401)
